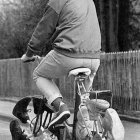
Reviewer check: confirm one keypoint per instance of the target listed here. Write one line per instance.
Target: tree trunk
(123, 25)
(102, 24)
(112, 38)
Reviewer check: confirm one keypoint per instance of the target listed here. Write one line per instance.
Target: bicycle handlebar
(26, 59)
(31, 60)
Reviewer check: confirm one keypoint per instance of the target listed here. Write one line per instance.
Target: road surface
(4, 130)
(132, 130)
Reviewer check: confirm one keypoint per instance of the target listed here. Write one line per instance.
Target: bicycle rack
(78, 84)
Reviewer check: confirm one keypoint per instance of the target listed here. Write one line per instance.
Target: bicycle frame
(80, 97)
(78, 100)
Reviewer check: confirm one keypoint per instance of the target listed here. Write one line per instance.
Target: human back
(77, 33)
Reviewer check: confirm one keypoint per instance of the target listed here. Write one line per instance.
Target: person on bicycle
(72, 28)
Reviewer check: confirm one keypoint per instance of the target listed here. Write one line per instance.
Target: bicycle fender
(113, 125)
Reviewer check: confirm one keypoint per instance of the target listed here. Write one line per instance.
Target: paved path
(132, 129)
(4, 130)
(6, 116)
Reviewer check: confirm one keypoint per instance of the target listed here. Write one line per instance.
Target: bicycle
(98, 104)
(38, 125)
(94, 101)
(82, 99)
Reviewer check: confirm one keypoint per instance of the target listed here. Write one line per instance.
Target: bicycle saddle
(80, 71)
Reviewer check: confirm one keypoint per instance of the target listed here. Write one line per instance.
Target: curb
(13, 100)
(129, 118)
(5, 117)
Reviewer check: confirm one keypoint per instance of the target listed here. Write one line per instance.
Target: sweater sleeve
(43, 32)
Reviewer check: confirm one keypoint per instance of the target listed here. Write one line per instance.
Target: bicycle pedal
(97, 137)
(60, 126)
(57, 129)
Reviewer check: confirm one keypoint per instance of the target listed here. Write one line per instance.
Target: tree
(19, 19)
(119, 22)
(123, 25)
(107, 11)
(134, 25)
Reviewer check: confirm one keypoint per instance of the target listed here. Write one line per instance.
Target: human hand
(26, 59)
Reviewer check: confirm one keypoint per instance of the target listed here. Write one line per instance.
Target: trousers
(56, 65)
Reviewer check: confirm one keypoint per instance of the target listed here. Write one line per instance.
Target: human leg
(93, 64)
(55, 65)
(55, 99)
(43, 75)
(48, 88)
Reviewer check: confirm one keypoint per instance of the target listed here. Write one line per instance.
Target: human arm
(42, 33)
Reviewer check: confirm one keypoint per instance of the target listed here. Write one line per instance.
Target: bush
(19, 19)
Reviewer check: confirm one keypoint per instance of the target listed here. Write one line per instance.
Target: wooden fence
(118, 72)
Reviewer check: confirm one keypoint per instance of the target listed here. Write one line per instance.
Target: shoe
(62, 115)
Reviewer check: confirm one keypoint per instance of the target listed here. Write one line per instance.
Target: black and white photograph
(69, 69)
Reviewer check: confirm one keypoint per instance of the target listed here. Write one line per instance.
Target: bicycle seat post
(79, 76)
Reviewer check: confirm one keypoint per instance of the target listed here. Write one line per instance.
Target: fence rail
(118, 72)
